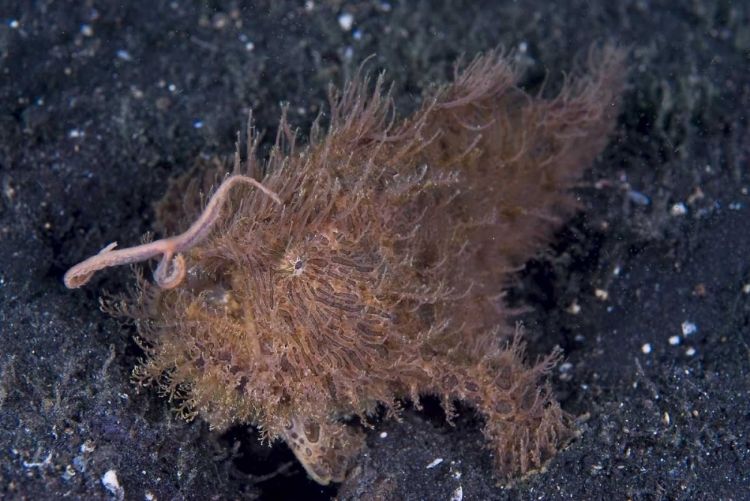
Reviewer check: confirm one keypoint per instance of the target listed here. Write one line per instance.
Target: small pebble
(574, 308)
(679, 209)
(346, 21)
(688, 328)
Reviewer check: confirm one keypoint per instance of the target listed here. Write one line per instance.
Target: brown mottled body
(381, 277)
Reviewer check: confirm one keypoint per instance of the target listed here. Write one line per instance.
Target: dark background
(102, 102)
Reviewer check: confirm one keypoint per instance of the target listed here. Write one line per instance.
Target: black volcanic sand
(102, 103)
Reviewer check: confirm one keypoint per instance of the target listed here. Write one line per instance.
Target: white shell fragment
(110, 482)
(458, 494)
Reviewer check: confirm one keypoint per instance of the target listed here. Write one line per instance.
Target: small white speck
(149, 496)
(75, 133)
(679, 209)
(458, 494)
(674, 340)
(735, 206)
(690, 351)
(746, 289)
(172, 87)
(616, 271)
(348, 53)
(566, 372)
(47, 461)
(346, 21)
(14, 24)
(249, 46)
(124, 55)
(638, 198)
(666, 418)
(309, 5)
(87, 30)
(646, 348)
(688, 328)
(523, 47)
(601, 294)
(383, 434)
(69, 473)
(434, 463)
(198, 124)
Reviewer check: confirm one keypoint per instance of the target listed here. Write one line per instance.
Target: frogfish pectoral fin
(327, 450)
